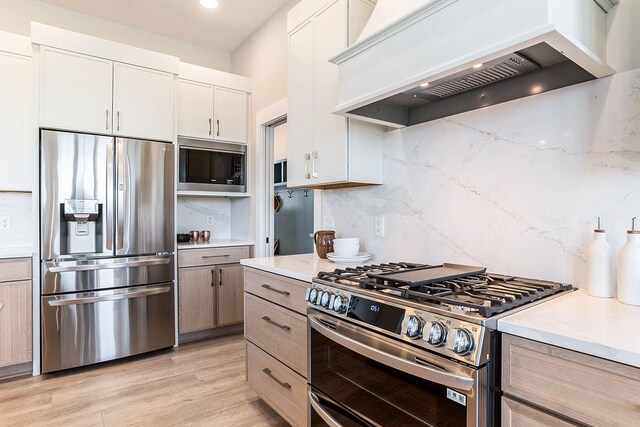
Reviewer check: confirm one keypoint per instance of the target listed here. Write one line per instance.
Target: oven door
(358, 377)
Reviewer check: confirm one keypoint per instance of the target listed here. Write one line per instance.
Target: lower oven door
(84, 328)
(358, 377)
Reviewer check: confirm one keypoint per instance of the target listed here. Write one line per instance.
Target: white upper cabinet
(98, 86)
(142, 102)
(75, 92)
(230, 114)
(326, 150)
(195, 109)
(16, 163)
(212, 104)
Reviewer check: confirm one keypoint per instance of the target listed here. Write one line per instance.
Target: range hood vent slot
(503, 68)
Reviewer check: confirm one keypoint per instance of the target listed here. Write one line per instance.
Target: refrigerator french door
(107, 227)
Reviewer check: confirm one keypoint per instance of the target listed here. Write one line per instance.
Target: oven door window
(376, 392)
(211, 167)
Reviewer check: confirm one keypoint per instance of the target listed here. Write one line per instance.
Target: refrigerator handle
(109, 208)
(120, 191)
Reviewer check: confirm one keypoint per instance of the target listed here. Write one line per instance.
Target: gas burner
(454, 287)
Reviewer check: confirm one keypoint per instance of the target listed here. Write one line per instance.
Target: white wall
(16, 17)
(623, 39)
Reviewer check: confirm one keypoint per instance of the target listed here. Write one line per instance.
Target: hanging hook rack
(306, 193)
(290, 193)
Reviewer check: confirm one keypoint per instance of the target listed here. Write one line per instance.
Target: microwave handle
(444, 378)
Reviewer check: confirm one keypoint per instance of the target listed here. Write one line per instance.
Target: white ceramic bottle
(600, 273)
(629, 268)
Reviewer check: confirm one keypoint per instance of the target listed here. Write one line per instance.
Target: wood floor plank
(196, 384)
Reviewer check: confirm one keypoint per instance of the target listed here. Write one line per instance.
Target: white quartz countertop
(601, 327)
(301, 267)
(7, 253)
(215, 243)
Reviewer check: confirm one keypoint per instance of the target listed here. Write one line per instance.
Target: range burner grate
(478, 292)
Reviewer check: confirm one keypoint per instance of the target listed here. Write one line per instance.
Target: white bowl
(346, 247)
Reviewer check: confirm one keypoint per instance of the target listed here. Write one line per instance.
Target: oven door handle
(444, 378)
(317, 406)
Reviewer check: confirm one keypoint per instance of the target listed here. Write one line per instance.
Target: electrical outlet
(5, 222)
(328, 223)
(379, 226)
(209, 221)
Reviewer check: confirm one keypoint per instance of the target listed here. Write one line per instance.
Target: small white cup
(346, 247)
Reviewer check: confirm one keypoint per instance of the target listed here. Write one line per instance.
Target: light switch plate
(379, 226)
(5, 222)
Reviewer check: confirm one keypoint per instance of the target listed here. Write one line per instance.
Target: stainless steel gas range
(404, 344)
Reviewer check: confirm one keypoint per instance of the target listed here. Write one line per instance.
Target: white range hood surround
(408, 43)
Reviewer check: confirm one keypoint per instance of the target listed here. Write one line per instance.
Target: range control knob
(437, 334)
(325, 298)
(463, 342)
(339, 304)
(414, 327)
(313, 295)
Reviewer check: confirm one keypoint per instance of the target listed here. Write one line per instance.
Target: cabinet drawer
(283, 389)
(212, 256)
(516, 414)
(15, 269)
(280, 332)
(584, 388)
(287, 292)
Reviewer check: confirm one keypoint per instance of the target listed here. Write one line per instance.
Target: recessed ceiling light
(209, 4)
(478, 65)
(424, 84)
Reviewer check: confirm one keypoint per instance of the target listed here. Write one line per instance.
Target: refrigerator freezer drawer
(92, 327)
(106, 273)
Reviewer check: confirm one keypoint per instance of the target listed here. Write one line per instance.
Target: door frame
(266, 120)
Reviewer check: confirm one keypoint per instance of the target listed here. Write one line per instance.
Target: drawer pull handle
(268, 320)
(215, 256)
(269, 288)
(268, 372)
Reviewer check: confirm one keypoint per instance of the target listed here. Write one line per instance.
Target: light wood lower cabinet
(15, 316)
(276, 332)
(583, 388)
(283, 389)
(230, 294)
(517, 414)
(210, 291)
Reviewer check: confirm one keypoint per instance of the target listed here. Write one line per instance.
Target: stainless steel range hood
(444, 57)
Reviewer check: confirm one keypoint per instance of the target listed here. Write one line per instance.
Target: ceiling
(222, 29)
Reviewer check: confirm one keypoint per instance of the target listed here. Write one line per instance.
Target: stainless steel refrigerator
(107, 243)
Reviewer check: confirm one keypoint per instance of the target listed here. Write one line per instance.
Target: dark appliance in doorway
(404, 344)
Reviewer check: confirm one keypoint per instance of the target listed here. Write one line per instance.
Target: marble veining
(192, 212)
(18, 207)
(515, 187)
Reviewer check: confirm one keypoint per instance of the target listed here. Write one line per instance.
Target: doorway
(299, 209)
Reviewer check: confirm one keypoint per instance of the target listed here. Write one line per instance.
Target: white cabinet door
(329, 158)
(76, 92)
(230, 114)
(195, 109)
(142, 102)
(16, 156)
(301, 106)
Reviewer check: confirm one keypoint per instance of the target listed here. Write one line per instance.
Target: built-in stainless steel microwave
(211, 166)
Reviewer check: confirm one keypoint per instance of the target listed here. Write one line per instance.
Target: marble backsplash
(192, 212)
(516, 187)
(18, 207)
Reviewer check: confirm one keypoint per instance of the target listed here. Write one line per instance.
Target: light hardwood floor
(196, 384)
